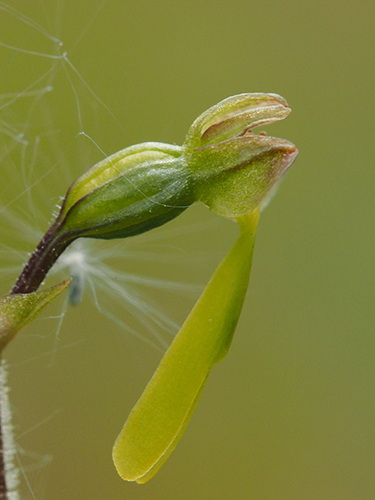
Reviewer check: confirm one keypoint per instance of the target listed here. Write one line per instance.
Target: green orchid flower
(223, 164)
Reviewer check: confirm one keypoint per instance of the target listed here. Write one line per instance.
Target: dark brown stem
(40, 262)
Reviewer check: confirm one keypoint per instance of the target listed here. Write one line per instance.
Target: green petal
(159, 418)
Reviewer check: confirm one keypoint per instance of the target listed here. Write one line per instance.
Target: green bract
(17, 311)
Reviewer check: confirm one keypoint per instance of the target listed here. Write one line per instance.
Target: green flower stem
(159, 418)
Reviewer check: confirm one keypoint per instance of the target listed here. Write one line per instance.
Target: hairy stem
(9, 473)
(3, 487)
(40, 262)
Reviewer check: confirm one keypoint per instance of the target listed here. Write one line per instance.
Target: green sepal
(159, 418)
(18, 310)
(237, 175)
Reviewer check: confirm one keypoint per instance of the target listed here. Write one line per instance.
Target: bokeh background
(290, 413)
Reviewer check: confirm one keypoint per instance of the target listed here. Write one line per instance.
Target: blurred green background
(290, 413)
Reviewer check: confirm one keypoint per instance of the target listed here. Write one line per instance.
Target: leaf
(18, 310)
(162, 413)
